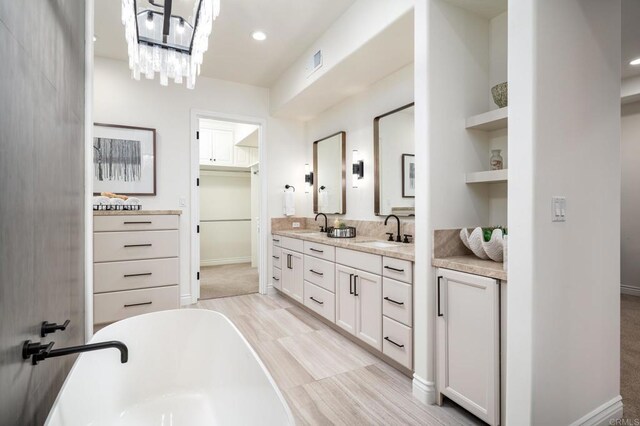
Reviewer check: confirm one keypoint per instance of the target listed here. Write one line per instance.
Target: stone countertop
(472, 265)
(135, 212)
(402, 251)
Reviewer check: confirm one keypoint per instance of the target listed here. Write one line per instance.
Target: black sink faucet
(398, 239)
(326, 226)
(45, 352)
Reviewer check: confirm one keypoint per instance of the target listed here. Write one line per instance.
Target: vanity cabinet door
(345, 299)
(368, 294)
(468, 342)
(292, 279)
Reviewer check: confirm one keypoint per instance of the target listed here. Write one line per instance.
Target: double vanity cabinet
(370, 296)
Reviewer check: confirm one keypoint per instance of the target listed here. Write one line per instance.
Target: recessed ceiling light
(635, 62)
(259, 35)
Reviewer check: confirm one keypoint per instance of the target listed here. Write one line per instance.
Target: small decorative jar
(496, 159)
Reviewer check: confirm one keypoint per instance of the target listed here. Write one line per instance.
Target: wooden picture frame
(124, 159)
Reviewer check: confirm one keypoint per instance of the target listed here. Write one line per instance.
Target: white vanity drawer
(110, 307)
(115, 246)
(118, 276)
(320, 301)
(356, 259)
(292, 244)
(276, 278)
(397, 301)
(277, 256)
(277, 240)
(401, 270)
(135, 223)
(322, 251)
(320, 272)
(397, 341)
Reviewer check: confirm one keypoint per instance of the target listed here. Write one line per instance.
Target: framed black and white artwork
(124, 159)
(408, 176)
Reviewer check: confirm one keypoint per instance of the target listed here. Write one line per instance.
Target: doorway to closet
(229, 208)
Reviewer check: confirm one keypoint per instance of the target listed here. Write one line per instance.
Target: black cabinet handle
(355, 285)
(439, 312)
(350, 283)
(393, 301)
(276, 241)
(393, 269)
(317, 301)
(137, 245)
(276, 257)
(137, 304)
(144, 274)
(277, 279)
(391, 341)
(147, 222)
(315, 272)
(316, 250)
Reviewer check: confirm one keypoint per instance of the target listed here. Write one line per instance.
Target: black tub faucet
(40, 353)
(326, 225)
(398, 238)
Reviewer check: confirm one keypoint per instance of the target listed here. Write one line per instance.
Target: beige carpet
(630, 356)
(228, 280)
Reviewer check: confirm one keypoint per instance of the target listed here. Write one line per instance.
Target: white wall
(630, 199)
(564, 296)
(355, 116)
(119, 99)
(225, 217)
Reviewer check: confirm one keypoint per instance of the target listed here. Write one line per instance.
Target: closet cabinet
(468, 342)
(359, 304)
(216, 147)
(292, 276)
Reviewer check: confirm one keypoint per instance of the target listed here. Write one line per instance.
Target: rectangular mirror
(394, 162)
(329, 164)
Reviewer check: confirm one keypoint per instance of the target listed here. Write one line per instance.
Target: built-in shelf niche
(489, 176)
(489, 121)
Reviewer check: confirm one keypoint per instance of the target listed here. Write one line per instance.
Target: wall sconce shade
(308, 178)
(357, 168)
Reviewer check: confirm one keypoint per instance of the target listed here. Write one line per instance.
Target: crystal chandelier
(161, 42)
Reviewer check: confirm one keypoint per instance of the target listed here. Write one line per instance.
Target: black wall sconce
(357, 168)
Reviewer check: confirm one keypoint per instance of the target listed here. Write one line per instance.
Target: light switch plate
(296, 224)
(182, 202)
(558, 209)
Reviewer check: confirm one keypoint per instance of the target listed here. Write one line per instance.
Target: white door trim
(88, 170)
(196, 114)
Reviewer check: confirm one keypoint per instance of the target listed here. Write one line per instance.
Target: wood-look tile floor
(326, 378)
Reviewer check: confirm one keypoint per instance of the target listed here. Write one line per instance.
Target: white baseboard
(226, 261)
(271, 290)
(632, 291)
(423, 390)
(603, 415)
(186, 300)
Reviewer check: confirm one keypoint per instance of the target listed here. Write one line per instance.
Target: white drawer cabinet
(292, 244)
(136, 265)
(320, 272)
(397, 341)
(359, 260)
(319, 300)
(277, 257)
(321, 251)
(277, 278)
(397, 301)
(401, 270)
(468, 342)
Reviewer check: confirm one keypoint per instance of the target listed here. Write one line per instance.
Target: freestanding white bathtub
(186, 367)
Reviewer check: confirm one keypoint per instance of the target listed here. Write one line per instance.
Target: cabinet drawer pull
(137, 245)
(316, 250)
(138, 222)
(315, 272)
(391, 341)
(438, 296)
(144, 274)
(393, 301)
(350, 283)
(276, 241)
(317, 301)
(277, 279)
(137, 304)
(355, 285)
(276, 257)
(393, 269)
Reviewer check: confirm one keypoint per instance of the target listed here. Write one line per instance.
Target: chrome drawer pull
(138, 275)
(391, 341)
(137, 304)
(136, 245)
(147, 222)
(317, 301)
(316, 250)
(393, 301)
(317, 273)
(394, 269)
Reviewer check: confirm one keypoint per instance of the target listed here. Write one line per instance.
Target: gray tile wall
(41, 196)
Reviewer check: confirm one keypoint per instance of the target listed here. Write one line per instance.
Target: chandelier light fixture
(165, 43)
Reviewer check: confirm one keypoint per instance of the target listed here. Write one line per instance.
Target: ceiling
(630, 37)
(291, 27)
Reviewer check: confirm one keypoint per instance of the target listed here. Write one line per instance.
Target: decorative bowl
(346, 232)
(500, 94)
(492, 249)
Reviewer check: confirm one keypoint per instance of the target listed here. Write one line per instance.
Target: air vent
(316, 62)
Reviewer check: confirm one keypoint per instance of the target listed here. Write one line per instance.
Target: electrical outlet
(296, 224)
(558, 209)
(182, 202)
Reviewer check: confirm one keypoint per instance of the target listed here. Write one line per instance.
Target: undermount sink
(378, 244)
